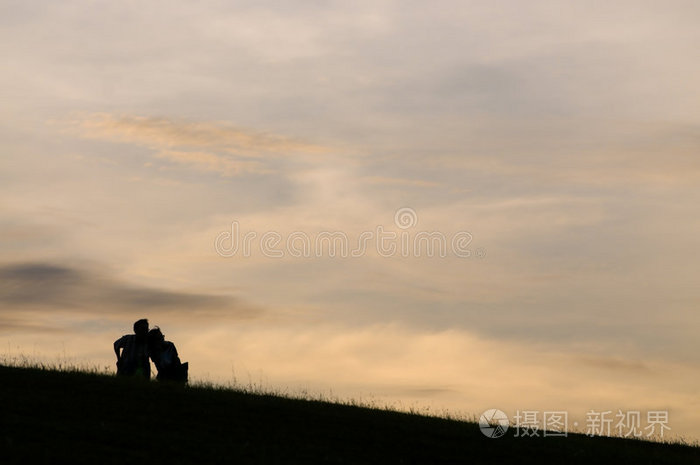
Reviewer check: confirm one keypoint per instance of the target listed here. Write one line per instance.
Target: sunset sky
(561, 138)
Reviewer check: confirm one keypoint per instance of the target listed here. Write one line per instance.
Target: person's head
(141, 327)
(155, 336)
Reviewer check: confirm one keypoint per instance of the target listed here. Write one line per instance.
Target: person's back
(168, 355)
(165, 357)
(133, 359)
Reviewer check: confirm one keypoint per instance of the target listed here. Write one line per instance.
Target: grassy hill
(59, 417)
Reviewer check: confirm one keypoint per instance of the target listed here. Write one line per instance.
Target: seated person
(164, 356)
(132, 352)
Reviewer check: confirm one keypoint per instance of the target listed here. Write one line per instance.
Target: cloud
(616, 365)
(532, 155)
(206, 161)
(399, 182)
(50, 286)
(15, 325)
(208, 146)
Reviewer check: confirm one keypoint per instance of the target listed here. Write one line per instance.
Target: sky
(454, 206)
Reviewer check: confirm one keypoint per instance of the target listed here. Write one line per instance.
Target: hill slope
(58, 417)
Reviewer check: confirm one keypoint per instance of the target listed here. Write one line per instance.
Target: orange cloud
(208, 146)
(207, 161)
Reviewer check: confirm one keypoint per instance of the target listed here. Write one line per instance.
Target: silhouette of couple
(134, 350)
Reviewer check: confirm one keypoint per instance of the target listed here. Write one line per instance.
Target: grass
(77, 416)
